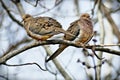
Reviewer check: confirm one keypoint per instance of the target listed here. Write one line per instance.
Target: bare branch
(111, 21)
(58, 65)
(46, 66)
(47, 9)
(95, 2)
(35, 5)
(14, 46)
(111, 51)
(10, 15)
(19, 7)
(25, 64)
(76, 3)
(102, 38)
(4, 58)
(113, 11)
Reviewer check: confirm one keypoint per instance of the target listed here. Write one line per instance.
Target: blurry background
(78, 65)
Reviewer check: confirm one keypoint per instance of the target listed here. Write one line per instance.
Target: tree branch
(101, 38)
(10, 15)
(111, 21)
(14, 65)
(58, 65)
(19, 7)
(14, 46)
(6, 57)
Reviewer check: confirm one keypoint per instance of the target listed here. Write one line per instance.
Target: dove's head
(85, 16)
(26, 17)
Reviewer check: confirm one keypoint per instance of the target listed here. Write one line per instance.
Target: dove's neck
(27, 22)
(87, 22)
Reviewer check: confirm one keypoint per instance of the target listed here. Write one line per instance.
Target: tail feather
(57, 52)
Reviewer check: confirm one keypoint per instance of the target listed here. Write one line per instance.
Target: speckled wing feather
(44, 26)
(74, 29)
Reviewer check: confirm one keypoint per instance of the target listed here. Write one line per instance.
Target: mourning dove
(42, 28)
(83, 31)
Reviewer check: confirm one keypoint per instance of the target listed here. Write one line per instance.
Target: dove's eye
(88, 16)
(27, 16)
(85, 16)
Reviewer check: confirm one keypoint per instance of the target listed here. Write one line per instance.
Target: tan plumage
(83, 31)
(42, 28)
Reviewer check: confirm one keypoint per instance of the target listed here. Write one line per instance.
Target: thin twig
(46, 66)
(35, 5)
(14, 65)
(95, 68)
(113, 11)
(93, 50)
(88, 66)
(47, 10)
(95, 2)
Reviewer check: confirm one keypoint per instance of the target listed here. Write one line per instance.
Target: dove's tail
(57, 52)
